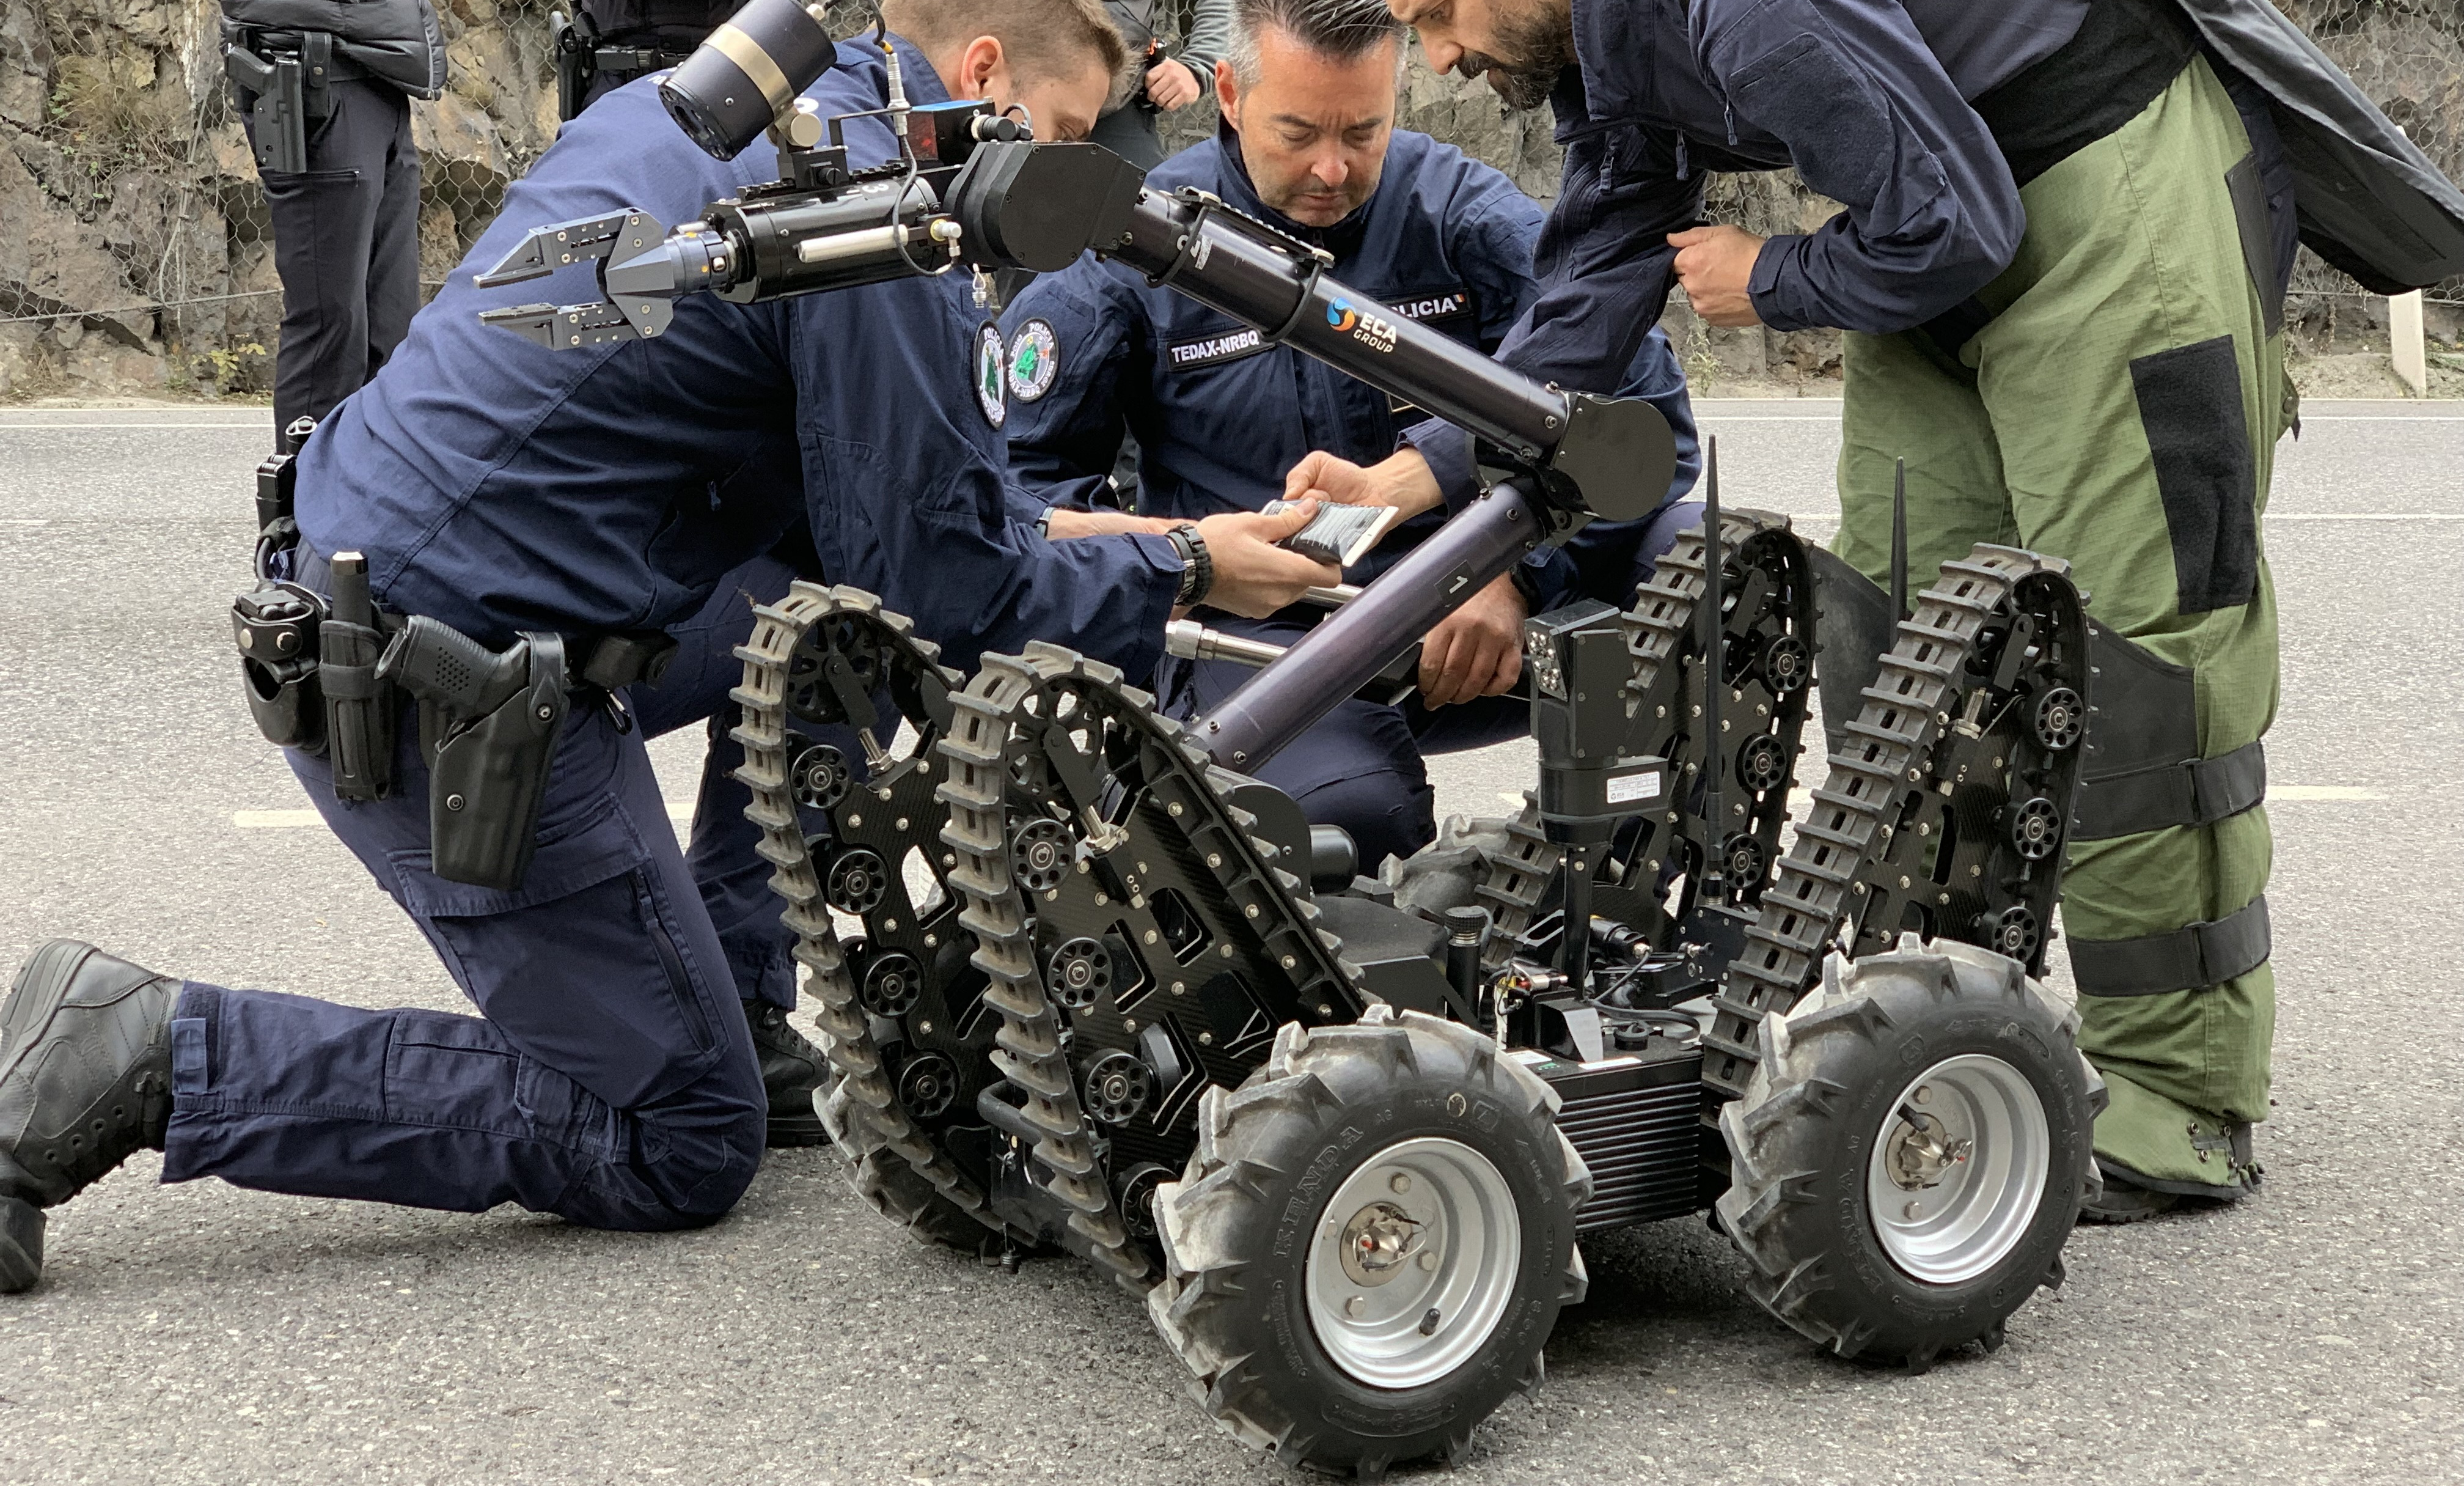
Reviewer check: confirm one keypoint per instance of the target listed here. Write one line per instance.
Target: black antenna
(1900, 543)
(1710, 643)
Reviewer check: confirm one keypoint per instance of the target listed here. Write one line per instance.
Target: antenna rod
(1900, 543)
(1711, 643)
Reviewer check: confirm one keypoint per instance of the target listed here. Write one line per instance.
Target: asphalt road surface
(200, 1332)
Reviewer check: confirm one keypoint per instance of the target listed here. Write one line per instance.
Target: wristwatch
(1196, 569)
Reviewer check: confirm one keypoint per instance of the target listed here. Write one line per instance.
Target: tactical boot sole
(21, 1245)
(791, 1131)
(2117, 1204)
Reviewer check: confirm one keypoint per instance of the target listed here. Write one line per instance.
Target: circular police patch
(992, 355)
(1034, 360)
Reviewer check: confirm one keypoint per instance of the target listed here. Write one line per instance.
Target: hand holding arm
(1477, 651)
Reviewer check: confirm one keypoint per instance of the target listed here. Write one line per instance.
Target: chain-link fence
(2408, 55)
(136, 252)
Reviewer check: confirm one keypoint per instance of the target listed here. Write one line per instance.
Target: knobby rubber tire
(1236, 1235)
(21, 1245)
(1798, 1143)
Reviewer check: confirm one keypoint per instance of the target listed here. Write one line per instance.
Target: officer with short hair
(1308, 144)
(323, 88)
(2062, 260)
(597, 503)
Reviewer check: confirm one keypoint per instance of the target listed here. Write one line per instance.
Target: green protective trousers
(2124, 397)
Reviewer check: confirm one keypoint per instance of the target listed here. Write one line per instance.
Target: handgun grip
(437, 663)
(251, 73)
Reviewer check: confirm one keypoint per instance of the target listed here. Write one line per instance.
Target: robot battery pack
(1338, 534)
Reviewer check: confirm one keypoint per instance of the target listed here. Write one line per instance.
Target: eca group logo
(1344, 317)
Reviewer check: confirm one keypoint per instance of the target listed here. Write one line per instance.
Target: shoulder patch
(1214, 350)
(1034, 360)
(992, 355)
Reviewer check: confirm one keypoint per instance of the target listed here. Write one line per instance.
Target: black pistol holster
(488, 721)
(283, 81)
(574, 44)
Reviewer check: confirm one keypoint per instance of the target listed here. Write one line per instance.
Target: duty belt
(633, 61)
(267, 43)
(325, 669)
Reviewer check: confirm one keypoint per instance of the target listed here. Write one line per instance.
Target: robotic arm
(972, 188)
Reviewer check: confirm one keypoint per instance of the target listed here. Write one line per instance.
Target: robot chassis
(1344, 1133)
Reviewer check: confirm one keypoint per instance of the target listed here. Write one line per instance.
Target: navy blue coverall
(1220, 417)
(500, 486)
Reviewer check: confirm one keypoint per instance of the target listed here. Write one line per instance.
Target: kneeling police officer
(518, 535)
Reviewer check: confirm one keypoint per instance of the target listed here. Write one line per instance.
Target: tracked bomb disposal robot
(1345, 1132)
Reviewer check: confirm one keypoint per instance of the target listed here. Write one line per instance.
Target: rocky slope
(134, 253)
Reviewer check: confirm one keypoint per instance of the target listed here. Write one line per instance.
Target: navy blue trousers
(1361, 769)
(609, 1077)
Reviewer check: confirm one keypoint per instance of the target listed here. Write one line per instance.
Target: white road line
(2276, 794)
(679, 811)
(1827, 518)
(1833, 418)
(276, 820)
(234, 427)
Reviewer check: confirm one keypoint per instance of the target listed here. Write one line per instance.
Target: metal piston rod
(1361, 639)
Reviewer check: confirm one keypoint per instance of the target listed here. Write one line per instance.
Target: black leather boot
(791, 1070)
(85, 1083)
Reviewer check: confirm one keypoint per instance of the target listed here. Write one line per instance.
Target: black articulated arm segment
(973, 193)
(1586, 456)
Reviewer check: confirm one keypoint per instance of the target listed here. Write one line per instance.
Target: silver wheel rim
(1413, 1262)
(1958, 1168)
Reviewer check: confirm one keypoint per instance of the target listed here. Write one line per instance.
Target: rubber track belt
(1889, 750)
(995, 725)
(1515, 879)
(847, 1034)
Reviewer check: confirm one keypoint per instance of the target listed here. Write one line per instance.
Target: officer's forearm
(1408, 482)
(1209, 38)
(1067, 523)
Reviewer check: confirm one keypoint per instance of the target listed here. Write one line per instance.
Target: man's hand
(1402, 479)
(1171, 84)
(1068, 522)
(1716, 265)
(1477, 651)
(1253, 577)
